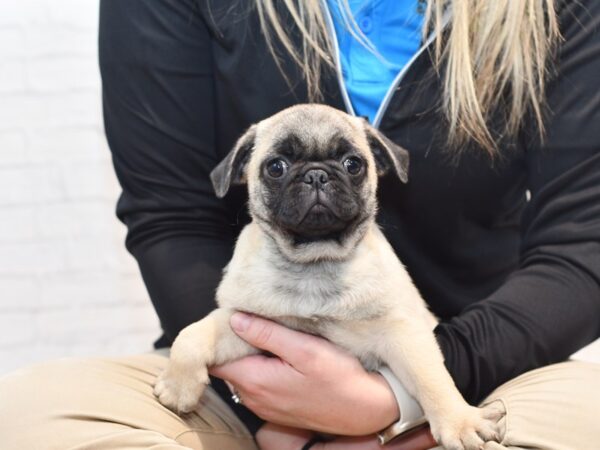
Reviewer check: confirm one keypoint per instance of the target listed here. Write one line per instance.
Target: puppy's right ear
(232, 170)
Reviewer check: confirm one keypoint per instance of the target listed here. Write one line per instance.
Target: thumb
(292, 346)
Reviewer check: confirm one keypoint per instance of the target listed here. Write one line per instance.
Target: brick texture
(67, 285)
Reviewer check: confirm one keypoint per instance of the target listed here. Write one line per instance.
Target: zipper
(390, 92)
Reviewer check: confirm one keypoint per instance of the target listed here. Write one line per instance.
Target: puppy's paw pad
(178, 392)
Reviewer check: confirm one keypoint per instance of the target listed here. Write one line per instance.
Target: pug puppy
(313, 259)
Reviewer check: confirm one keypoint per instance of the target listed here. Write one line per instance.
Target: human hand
(276, 437)
(309, 384)
(419, 439)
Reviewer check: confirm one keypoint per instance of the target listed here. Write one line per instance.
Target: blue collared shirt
(394, 28)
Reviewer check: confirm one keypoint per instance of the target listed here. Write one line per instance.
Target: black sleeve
(156, 65)
(550, 306)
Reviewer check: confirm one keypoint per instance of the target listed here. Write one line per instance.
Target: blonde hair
(495, 52)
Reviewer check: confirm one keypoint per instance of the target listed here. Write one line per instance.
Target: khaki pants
(108, 404)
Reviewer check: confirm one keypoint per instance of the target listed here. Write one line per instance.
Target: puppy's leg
(411, 352)
(208, 342)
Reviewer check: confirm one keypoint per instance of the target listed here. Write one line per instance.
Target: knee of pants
(552, 408)
(105, 403)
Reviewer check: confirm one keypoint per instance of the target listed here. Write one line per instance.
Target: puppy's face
(312, 178)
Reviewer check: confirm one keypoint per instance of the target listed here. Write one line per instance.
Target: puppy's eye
(276, 167)
(353, 165)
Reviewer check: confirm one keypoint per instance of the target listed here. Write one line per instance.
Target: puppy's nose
(316, 177)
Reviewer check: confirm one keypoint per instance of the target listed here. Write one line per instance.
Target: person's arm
(549, 307)
(155, 60)
(156, 65)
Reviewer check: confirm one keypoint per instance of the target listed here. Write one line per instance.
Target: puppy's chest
(313, 296)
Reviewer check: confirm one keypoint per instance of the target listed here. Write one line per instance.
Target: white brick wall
(67, 285)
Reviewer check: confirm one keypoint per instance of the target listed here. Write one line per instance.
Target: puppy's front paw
(180, 389)
(468, 429)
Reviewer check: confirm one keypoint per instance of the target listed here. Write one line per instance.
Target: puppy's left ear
(388, 155)
(232, 169)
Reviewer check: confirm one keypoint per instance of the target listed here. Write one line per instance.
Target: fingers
(345, 443)
(248, 370)
(420, 439)
(349, 443)
(278, 437)
(290, 345)
(258, 380)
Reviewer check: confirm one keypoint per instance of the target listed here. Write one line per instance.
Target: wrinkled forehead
(311, 132)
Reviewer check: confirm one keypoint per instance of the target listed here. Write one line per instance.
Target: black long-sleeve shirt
(515, 282)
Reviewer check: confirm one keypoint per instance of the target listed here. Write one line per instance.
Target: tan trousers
(108, 404)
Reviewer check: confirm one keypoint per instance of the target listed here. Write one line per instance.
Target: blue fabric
(394, 29)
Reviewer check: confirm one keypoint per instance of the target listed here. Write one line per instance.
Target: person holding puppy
(498, 226)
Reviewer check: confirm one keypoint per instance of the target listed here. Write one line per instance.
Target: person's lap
(108, 404)
(554, 407)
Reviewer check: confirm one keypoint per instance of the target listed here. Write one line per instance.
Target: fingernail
(240, 321)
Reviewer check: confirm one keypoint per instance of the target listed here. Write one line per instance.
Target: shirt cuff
(411, 414)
